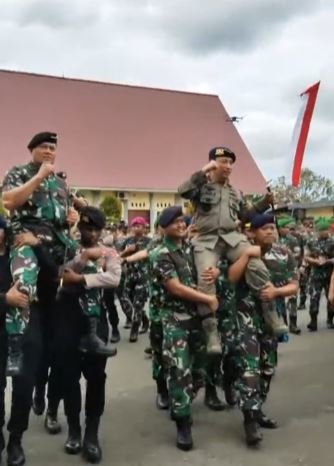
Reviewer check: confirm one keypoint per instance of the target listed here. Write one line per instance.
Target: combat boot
(212, 337)
(134, 332)
(184, 439)
(313, 325)
(145, 324)
(38, 402)
(211, 399)
(15, 452)
(91, 449)
(15, 355)
(230, 393)
(128, 323)
(253, 435)
(330, 323)
(115, 335)
(274, 321)
(265, 422)
(293, 326)
(162, 400)
(73, 443)
(91, 343)
(2, 444)
(51, 423)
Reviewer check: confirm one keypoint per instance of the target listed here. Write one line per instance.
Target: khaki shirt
(218, 210)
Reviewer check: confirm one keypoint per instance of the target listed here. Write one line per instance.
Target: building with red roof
(138, 142)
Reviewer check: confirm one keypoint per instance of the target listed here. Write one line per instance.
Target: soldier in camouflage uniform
(292, 243)
(39, 202)
(218, 211)
(174, 292)
(254, 346)
(319, 255)
(135, 289)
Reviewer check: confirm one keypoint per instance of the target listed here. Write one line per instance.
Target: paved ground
(134, 433)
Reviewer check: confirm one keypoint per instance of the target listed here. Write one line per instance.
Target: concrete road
(134, 433)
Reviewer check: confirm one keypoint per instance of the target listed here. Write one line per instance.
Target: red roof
(116, 136)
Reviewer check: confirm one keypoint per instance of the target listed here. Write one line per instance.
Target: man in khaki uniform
(219, 208)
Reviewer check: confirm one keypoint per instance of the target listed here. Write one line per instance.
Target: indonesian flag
(301, 130)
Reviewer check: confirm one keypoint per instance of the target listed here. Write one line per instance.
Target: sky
(257, 55)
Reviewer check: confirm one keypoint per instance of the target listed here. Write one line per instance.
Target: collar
(171, 245)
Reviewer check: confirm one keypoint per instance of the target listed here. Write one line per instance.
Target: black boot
(15, 452)
(230, 393)
(211, 399)
(134, 332)
(115, 336)
(162, 400)
(302, 305)
(265, 422)
(73, 443)
(2, 444)
(145, 323)
(148, 351)
(15, 355)
(184, 439)
(51, 423)
(38, 403)
(91, 449)
(91, 343)
(330, 317)
(128, 323)
(293, 326)
(253, 435)
(313, 325)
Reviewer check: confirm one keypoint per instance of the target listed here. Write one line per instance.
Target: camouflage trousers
(316, 286)
(156, 340)
(134, 297)
(249, 359)
(25, 269)
(292, 306)
(184, 359)
(303, 285)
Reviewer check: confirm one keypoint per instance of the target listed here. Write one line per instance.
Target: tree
(312, 187)
(112, 208)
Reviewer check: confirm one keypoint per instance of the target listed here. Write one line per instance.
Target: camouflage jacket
(137, 270)
(47, 205)
(294, 245)
(317, 248)
(169, 261)
(283, 270)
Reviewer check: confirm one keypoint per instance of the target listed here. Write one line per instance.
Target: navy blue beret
(221, 152)
(170, 214)
(92, 216)
(259, 220)
(3, 223)
(41, 138)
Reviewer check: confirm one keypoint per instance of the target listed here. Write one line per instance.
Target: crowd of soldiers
(222, 289)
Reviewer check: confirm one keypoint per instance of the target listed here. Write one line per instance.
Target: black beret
(221, 152)
(92, 216)
(40, 138)
(259, 220)
(170, 214)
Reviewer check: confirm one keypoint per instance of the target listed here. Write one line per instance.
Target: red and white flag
(301, 130)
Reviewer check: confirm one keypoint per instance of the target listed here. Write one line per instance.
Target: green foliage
(112, 208)
(312, 187)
